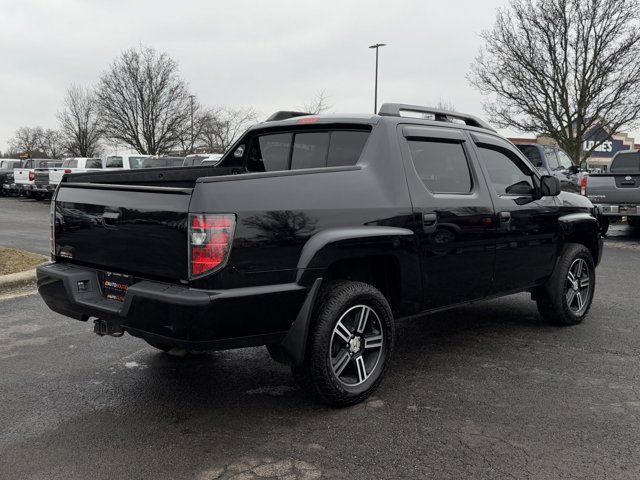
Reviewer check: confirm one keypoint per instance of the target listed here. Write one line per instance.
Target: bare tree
(189, 140)
(53, 145)
(79, 122)
(28, 141)
(143, 101)
(447, 105)
(221, 127)
(558, 67)
(318, 104)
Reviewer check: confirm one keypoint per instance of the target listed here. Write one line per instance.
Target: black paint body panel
(292, 229)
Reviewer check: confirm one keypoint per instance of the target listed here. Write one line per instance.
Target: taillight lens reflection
(210, 238)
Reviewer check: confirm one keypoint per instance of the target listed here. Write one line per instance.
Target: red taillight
(583, 185)
(210, 238)
(32, 176)
(67, 170)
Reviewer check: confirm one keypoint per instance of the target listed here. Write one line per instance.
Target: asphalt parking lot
(482, 392)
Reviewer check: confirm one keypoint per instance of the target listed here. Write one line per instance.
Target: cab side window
(552, 158)
(508, 174)
(564, 160)
(441, 165)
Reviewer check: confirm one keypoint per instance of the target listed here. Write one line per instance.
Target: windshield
(626, 163)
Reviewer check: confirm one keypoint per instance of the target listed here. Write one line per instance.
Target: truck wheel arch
(581, 228)
(331, 253)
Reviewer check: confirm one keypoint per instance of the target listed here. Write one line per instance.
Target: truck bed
(179, 177)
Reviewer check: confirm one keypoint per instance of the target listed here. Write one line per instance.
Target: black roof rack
(394, 109)
(284, 114)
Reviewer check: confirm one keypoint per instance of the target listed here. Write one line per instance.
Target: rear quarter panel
(277, 215)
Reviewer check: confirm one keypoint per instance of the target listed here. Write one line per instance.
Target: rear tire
(349, 346)
(604, 225)
(567, 296)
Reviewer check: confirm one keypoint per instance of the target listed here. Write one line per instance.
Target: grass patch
(13, 261)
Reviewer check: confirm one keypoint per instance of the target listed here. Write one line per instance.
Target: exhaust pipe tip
(105, 327)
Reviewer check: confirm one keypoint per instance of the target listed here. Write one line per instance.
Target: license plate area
(115, 285)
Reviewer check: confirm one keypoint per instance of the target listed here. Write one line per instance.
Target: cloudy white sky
(271, 55)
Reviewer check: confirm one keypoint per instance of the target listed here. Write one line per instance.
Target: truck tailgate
(614, 188)
(21, 175)
(135, 230)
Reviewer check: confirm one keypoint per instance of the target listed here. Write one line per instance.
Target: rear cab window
(305, 149)
(626, 163)
(70, 163)
(93, 163)
(113, 162)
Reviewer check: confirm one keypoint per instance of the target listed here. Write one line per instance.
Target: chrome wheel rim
(578, 286)
(356, 345)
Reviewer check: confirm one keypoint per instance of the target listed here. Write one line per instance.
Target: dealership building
(600, 159)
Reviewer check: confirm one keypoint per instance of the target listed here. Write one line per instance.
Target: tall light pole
(191, 97)
(375, 92)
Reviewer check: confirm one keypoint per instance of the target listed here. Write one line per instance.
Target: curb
(17, 280)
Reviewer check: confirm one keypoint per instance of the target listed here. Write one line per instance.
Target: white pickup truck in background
(124, 162)
(73, 165)
(24, 178)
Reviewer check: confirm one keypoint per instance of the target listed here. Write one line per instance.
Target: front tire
(349, 346)
(567, 296)
(633, 222)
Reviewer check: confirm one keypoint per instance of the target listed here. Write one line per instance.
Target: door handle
(429, 222)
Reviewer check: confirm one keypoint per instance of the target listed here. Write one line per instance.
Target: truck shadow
(248, 378)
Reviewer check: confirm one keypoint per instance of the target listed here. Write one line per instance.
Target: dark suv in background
(551, 160)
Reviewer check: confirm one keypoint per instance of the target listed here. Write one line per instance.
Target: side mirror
(574, 169)
(549, 186)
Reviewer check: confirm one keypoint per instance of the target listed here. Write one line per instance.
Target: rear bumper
(619, 210)
(11, 187)
(43, 188)
(174, 314)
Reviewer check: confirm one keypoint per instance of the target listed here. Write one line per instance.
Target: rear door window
(441, 165)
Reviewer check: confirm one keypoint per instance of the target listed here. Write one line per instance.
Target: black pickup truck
(312, 234)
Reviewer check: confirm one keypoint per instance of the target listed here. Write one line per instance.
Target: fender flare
(583, 224)
(330, 236)
(295, 342)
